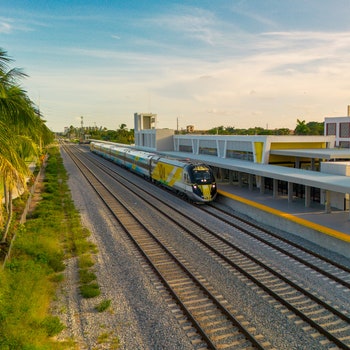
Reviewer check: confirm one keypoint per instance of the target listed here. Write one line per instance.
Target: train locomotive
(187, 178)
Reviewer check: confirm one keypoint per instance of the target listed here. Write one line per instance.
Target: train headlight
(196, 190)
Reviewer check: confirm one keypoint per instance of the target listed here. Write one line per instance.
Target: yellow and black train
(187, 178)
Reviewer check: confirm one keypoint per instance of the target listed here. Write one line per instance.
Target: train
(192, 180)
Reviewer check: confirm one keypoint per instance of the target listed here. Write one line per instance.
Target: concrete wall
(310, 233)
(164, 140)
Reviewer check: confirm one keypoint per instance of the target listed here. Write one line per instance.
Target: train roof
(180, 162)
(128, 150)
(183, 162)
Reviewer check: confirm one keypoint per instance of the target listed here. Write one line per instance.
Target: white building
(340, 128)
(148, 137)
(292, 165)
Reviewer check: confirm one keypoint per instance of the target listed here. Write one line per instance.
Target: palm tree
(17, 121)
(22, 133)
(301, 128)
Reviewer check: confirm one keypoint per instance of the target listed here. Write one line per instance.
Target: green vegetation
(125, 136)
(85, 261)
(90, 290)
(31, 276)
(107, 338)
(120, 135)
(311, 128)
(302, 128)
(103, 305)
(23, 134)
(86, 276)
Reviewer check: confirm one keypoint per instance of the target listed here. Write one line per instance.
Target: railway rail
(329, 323)
(207, 312)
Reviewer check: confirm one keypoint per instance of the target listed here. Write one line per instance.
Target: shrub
(85, 261)
(86, 276)
(56, 262)
(102, 338)
(103, 305)
(90, 290)
(52, 325)
(82, 246)
(59, 277)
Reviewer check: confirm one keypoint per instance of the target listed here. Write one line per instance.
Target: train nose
(206, 191)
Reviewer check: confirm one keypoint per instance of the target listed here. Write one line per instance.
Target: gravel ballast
(139, 315)
(138, 318)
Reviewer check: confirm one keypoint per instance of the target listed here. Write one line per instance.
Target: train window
(202, 176)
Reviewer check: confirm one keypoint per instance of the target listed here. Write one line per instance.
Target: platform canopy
(331, 182)
(318, 153)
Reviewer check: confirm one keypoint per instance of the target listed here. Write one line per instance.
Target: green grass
(90, 290)
(31, 276)
(85, 261)
(103, 305)
(106, 338)
(86, 276)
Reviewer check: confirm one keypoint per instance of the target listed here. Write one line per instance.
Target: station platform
(327, 229)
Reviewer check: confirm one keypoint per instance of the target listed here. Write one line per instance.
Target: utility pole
(82, 128)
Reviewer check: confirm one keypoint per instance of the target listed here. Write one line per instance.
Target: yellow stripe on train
(206, 190)
(167, 173)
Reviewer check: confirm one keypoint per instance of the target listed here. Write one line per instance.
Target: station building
(312, 168)
(340, 128)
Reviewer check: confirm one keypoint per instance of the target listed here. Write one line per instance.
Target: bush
(59, 277)
(90, 290)
(52, 325)
(85, 261)
(86, 276)
(29, 279)
(82, 246)
(56, 262)
(103, 305)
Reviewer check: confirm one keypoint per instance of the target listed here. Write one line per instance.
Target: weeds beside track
(31, 276)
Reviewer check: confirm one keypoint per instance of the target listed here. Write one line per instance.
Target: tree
(310, 128)
(18, 121)
(22, 134)
(316, 128)
(301, 128)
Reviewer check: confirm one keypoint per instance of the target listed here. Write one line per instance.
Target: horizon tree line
(126, 136)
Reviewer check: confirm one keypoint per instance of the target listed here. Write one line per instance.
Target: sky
(231, 63)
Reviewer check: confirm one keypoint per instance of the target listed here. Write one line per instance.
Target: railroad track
(323, 321)
(334, 271)
(216, 326)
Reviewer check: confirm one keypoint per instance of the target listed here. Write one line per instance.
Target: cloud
(11, 25)
(295, 80)
(258, 18)
(188, 22)
(5, 27)
(188, 61)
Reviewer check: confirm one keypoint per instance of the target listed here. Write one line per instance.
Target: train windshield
(202, 174)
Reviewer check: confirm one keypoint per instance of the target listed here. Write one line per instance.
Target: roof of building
(320, 153)
(337, 183)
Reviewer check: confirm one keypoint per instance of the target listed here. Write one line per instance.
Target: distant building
(147, 136)
(304, 167)
(340, 128)
(190, 128)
